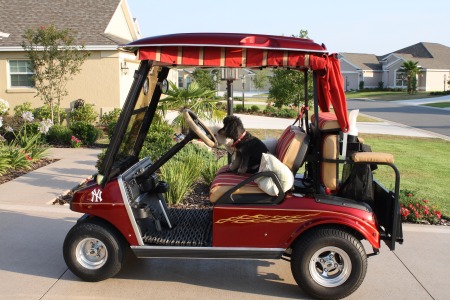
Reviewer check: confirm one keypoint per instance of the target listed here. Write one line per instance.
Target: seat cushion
(327, 121)
(329, 169)
(283, 173)
(227, 180)
(292, 147)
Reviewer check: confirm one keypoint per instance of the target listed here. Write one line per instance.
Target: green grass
(424, 165)
(439, 104)
(387, 95)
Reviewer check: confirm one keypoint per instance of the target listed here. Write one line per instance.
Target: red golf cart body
(127, 197)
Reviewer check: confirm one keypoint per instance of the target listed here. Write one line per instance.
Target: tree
(288, 86)
(411, 69)
(198, 99)
(205, 78)
(260, 78)
(54, 61)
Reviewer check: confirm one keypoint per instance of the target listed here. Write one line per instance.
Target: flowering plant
(417, 210)
(76, 143)
(4, 106)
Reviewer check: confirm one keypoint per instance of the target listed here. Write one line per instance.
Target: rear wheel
(329, 263)
(94, 251)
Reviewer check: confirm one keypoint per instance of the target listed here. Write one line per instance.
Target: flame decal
(267, 219)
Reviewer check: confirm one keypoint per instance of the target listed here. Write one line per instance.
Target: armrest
(373, 157)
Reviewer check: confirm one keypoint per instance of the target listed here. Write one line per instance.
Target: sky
(375, 27)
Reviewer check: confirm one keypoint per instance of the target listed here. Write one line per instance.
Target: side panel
(277, 226)
(106, 203)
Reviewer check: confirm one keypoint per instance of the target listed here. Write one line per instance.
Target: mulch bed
(14, 173)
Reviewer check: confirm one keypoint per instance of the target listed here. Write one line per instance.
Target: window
(180, 81)
(401, 80)
(188, 81)
(20, 73)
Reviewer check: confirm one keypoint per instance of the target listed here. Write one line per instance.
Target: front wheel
(329, 263)
(94, 251)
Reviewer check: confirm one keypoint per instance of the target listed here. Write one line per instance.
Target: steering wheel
(200, 129)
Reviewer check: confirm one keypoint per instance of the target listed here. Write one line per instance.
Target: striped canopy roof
(237, 50)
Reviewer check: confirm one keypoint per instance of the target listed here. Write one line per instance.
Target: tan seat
(291, 150)
(327, 121)
(328, 170)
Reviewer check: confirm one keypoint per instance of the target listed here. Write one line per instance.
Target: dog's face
(232, 127)
(220, 136)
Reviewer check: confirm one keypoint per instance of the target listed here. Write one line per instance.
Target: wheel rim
(330, 266)
(91, 253)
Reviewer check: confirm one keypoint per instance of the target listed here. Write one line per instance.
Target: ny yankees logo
(96, 195)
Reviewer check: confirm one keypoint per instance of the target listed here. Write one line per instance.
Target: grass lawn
(387, 95)
(439, 104)
(424, 164)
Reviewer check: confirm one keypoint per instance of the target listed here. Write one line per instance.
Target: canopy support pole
(229, 106)
(317, 138)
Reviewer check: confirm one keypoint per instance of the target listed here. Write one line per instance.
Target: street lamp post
(445, 82)
(243, 93)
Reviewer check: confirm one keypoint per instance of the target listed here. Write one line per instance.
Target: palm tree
(411, 69)
(199, 100)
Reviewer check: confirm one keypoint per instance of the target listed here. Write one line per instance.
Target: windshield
(128, 146)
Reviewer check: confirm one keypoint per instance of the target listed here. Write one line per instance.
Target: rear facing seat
(291, 150)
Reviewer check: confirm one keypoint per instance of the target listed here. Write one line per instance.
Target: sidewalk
(32, 266)
(381, 127)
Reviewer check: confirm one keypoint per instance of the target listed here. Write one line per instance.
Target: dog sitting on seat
(248, 149)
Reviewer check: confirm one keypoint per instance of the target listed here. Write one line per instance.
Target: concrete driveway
(32, 232)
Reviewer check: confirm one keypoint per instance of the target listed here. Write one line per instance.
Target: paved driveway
(421, 117)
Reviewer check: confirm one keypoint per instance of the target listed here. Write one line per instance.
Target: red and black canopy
(236, 50)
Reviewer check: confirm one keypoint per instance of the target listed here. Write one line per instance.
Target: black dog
(249, 149)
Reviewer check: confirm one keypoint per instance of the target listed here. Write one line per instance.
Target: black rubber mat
(192, 227)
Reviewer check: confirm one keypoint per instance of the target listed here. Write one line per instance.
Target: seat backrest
(329, 170)
(292, 147)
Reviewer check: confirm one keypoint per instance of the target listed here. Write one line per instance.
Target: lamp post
(229, 74)
(445, 82)
(243, 89)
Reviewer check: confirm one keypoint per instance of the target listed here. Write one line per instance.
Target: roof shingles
(88, 19)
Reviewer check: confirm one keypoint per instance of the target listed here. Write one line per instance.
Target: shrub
(111, 117)
(87, 133)
(210, 167)
(238, 108)
(44, 113)
(181, 172)
(59, 135)
(84, 114)
(286, 113)
(361, 85)
(158, 141)
(4, 160)
(270, 110)
(254, 108)
(21, 108)
(418, 210)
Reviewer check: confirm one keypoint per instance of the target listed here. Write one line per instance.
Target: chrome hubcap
(330, 266)
(91, 253)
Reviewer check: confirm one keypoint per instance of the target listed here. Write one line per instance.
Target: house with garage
(100, 25)
(371, 71)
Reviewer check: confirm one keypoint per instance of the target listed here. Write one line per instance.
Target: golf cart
(312, 224)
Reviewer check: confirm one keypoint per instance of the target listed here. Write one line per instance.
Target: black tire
(94, 251)
(329, 263)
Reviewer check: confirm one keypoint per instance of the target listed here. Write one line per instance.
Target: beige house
(375, 71)
(101, 25)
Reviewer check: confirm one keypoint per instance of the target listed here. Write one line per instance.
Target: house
(101, 25)
(376, 71)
